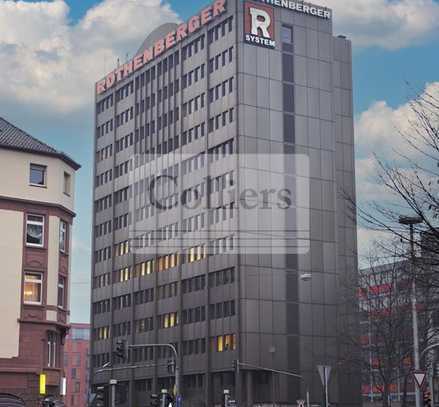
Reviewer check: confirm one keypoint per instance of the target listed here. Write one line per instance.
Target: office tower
(224, 158)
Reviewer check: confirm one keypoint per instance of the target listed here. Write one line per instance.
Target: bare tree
(412, 183)
(383, 348)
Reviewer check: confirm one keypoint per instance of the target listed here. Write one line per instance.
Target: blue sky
(52, 96)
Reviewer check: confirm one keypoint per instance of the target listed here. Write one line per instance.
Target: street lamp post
(411, 222)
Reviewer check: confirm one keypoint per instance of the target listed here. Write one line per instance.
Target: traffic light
(155, 400)
(99, 400)
(171, 366)
(236, 366)
(120, 349)
(427, 398)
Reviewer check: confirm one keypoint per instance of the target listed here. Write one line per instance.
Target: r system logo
(259, 25)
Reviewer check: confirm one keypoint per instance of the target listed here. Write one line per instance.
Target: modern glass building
(224, 179)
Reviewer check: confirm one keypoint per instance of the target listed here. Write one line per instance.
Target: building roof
(13, 138)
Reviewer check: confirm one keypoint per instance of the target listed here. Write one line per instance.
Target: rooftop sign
(169, 41)
(300, 7)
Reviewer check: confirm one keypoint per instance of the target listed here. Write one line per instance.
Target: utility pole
(411, 221)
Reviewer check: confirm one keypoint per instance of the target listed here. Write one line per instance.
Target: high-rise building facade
(36, 216)
(224, 179)
(76, 365)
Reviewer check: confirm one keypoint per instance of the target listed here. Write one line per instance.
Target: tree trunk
(386, 396)
(404, 391)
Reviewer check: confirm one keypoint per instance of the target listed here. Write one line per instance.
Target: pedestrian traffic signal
(120, 349)
(427, 398)
(166, 399)
(48, 402)
(155, 400)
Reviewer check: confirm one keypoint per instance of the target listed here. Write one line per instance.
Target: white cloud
(51, 65)
(378, 132)
(389, 24)
(368, 241)
(48, 62)
(378, 129)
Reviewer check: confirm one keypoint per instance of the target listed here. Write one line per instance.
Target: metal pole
(326, 388)
(177, 361)
(164, 397)
(113, 385)
(273, 389)
(307, 397)
(415, 315)
(177, 379)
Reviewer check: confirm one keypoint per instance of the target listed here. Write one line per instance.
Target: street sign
(419, 377)
(300, 403)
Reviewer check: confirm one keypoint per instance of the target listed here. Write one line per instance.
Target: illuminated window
(192, 254)
(149, 266)
(33, 287)
(166, 321)
(229, 342)
(220, 344)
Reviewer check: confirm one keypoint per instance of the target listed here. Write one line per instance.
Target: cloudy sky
(52, 52)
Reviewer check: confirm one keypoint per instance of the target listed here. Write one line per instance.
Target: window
(63, 236)
(33, 288)
(289, 136)
(51, 349)
(37, 175)
(289, 98)
(35, 230)
(286, 35)
(61, 292)
(67, 183)
(288, 67)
